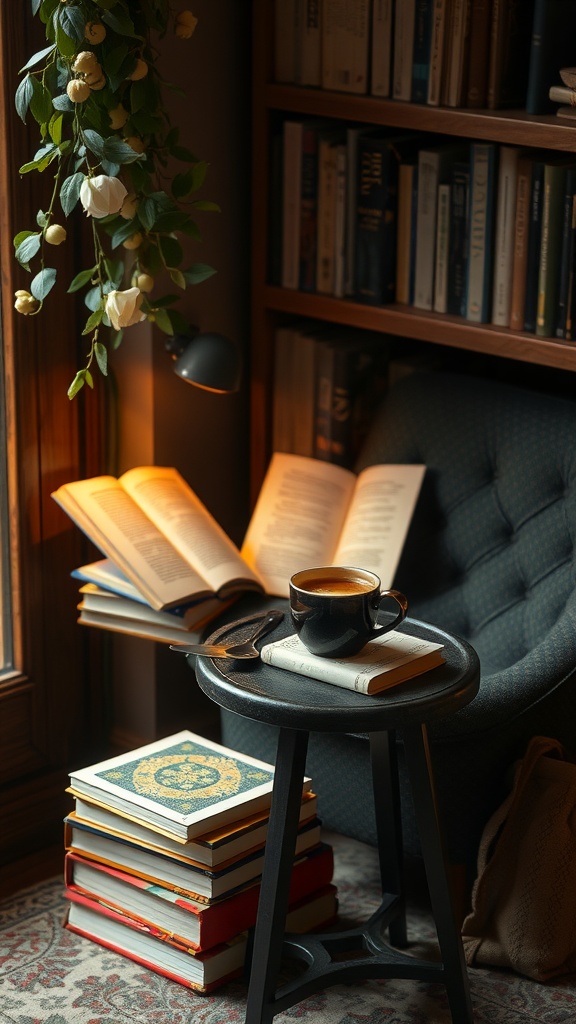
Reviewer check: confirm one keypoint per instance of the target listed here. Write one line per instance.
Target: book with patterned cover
(183, 783)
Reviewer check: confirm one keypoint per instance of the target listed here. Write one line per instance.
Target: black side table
(298, 705)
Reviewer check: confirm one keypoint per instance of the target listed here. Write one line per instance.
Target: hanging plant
(107, 144)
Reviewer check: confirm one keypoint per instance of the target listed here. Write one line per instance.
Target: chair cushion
(490, 552)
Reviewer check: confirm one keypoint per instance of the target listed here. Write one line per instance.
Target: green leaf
(179, 323)
(72, 22)
(37, 57)
(115, 271)
(147, 212)
(181, 153)
(101, 353)
(70, 192)
(28, 248)
(93, 299)
(65, 43)
(117, 338)
(112, 170)
(198, 272)
(94, 320)
(171, 251)
(55, 128)
(206, 205)
(77, 384)
(162, 320)
(116, 149)
(183, 184)
(63, 102)
(41, 219)
(81, 279)
(47, 9)
(43, 283)
(19, 238)
(23, 96)
(175, 220)
(121, 23)
(94, 142)
(178, 278)
(41, 103)
(121, 233)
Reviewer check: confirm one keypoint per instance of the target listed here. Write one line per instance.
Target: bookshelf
(271, 304)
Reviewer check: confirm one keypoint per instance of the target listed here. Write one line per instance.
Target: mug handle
(401, 601)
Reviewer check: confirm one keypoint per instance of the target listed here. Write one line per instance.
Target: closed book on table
(192, 923)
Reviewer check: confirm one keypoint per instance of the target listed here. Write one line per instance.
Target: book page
(177, 512)
(297, 519)
(378, 519)
(113, 521)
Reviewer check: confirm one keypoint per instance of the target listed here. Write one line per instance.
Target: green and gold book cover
(184, 783)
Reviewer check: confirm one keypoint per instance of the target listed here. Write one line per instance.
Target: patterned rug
(50, 976)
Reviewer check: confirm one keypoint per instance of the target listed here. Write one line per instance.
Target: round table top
(278, 697)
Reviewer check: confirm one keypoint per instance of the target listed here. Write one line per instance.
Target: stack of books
(164, 854)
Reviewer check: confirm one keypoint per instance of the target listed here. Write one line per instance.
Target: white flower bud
(102, 195)
(55, 234)
(123, 308)
(77, 90)
(85, 62)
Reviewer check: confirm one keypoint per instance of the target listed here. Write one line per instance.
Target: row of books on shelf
(470, 229)
(164, 853)
(455, 53)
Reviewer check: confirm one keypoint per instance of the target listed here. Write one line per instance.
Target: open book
(165, 541)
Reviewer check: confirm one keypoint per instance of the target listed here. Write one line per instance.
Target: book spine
(534, 236)
(458, 234)
(438, 34)
(520, 260)
(284, 40)
(406, 174)
(479, 53)
(554, 183)
(345, 45)
(308, 44)
(454, 72)
(504, 236)
(291, 189)
(570, 306)
(421, 50)
(381, 50)
(376, 214)
(404, 19)
(308, 210)
(428, 169)
(352, 137)
(442, 245)
(561, 310)
(340, 222)
(326, 235)
(483, 158)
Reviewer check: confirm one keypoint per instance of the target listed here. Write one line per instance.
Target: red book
(201, 971)
(195, 924)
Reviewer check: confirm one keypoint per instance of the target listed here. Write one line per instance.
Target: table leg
(386, 790)
(429, 826)
(279, 858)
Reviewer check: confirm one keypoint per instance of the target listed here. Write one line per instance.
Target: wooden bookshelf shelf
(271, 305)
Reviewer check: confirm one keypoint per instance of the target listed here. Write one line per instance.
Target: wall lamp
(210, 361)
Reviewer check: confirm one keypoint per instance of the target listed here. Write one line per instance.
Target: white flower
(102, 195)
(123, 308)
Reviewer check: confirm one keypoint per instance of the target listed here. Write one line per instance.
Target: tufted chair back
(491, 551)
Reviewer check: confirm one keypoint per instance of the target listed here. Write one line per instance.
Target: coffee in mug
(335, 609)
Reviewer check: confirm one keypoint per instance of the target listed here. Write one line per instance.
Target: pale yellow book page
(176, 510)
(110, 517)
(378, 519)
(297, 518)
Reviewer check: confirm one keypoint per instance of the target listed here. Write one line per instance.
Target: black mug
(335, 609)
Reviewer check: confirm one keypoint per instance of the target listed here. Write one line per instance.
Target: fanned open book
(166, 543)
(386, 661)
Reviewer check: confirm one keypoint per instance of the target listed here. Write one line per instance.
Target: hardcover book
(384, 662)
(481, 217)
(202, 971)
(376, 218)
(194, 924)
(172, 870)
(184, 783)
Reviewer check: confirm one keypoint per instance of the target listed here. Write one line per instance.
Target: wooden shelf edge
(504, 126)
(435, 328)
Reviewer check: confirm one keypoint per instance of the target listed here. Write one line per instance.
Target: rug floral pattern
(48, 975)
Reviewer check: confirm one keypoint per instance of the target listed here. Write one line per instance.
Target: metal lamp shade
(209, 361)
